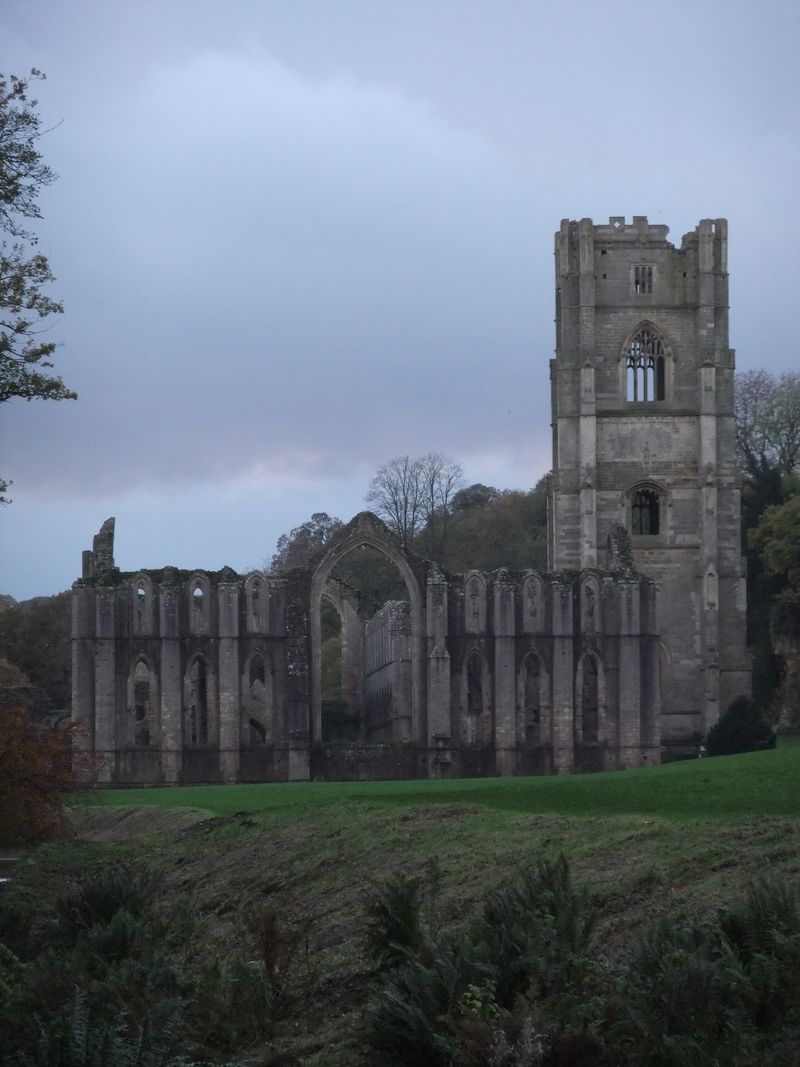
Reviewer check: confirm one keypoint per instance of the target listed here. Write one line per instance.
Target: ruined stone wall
(213, 676)
(207, 676)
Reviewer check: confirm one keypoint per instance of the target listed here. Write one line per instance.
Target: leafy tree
(306, 543)
(768, 422)
(25, 307)
(776, 544)
(494, 528)
(776, 540)
(768, 447)
(35, 636)
(474, 496)
(35, 772)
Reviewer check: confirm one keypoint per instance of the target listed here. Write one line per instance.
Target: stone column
(299, 764)
(400, 654)
(353, 659)
(229, 681)
(83, 622)
(709, 551)
(439, 735)
(171, 683)
(587, 434)
(563, 703)
(651, 714)
(630, 678)
(505, 688)
(105, 703)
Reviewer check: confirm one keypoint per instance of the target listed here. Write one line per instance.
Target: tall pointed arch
(143, 703)
(533, 726)
(645, 364)
(197, 702)
(476, 726)
(256, 726)
(367, 529)
(590, 699)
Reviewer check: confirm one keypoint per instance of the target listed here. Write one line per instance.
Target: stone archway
(367, 529)
(345, 603)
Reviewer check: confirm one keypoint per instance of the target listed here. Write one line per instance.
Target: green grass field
(726, 788)
(682, 839)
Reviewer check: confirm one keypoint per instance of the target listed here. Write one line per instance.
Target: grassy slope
(728, 787)
(686, 837)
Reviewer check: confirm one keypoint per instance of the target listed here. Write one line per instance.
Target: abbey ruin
(630, 647)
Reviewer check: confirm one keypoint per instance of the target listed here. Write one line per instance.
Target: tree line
(767, 408)
(424, 502)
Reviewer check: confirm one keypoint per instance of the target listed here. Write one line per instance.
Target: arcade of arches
(190, 677)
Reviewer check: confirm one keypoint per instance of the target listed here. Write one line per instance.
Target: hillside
(684, 839)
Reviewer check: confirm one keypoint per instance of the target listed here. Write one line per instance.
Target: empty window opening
(645, 366)
(257, 701)
(474, 697)
(141, 704)
(589, 700)
(198, 703)
(603, 251)
(474, 599)
(197, 599)
(255, 602)
(643, 279)
(645, 513)
(531, 706)
(257, 672)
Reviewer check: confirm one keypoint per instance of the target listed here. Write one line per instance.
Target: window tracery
(646, 367)
(645, 513)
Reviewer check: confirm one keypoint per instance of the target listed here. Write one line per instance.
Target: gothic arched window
(645, 367)
(645, 513)
(256, 723)
(531, 700)
(142, 703)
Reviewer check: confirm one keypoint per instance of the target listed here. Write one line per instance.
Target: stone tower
(643, 435)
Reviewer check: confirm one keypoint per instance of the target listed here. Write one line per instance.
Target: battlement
(577, 243)
(640, 229)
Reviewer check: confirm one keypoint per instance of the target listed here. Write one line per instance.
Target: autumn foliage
(35, 773)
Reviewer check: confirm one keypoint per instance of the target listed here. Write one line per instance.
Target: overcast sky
(295, 239)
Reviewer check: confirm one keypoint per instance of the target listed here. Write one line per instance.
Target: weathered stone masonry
(189, 676)
(643, 435)
(197, 676)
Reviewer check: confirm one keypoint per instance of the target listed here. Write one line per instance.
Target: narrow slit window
(256, 606)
